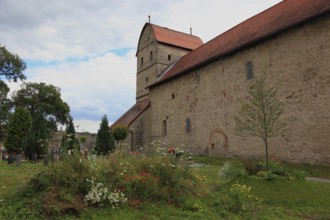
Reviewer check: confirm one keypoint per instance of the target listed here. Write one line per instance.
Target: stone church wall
(197, 109)
(138, 131)
(156, 58)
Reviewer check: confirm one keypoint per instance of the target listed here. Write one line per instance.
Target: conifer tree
(104, 139)
(18, 128)
(70, 134)
(37, 140)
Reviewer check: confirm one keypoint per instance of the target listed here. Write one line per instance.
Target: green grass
(13, 178)
(282, 198)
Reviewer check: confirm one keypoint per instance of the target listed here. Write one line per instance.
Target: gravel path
(315, 179)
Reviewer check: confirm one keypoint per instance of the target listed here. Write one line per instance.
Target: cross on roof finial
(149, 17)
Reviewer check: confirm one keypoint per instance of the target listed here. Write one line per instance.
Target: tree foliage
(11, 68)
(18, 128)
(11, 65)
(70, 132)
(42, 98)
(104, 139)
(46, 108)
(5, 106)
(37, 139)
(120, 133)
(69, 140)
(260, 115)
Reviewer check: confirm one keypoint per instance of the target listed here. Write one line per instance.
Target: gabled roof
(174, 38)
(281, 17)
(132, 114)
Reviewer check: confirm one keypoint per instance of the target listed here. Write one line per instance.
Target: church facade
(188, 93)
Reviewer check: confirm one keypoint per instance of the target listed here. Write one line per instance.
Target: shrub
(100, 195)
(275, 170)
(116, 179)
(230, 171)
(240, 199)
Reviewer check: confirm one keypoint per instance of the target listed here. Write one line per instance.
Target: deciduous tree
(11, 65)
(260, 115)
(46, 107)
(11, 68)
(42, 98)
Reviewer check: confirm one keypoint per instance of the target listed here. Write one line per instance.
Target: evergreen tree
(260, 115)
(18, 128)
(69, 140)
(5, 107)
(37, 140)
(104, 139)
(70, 134)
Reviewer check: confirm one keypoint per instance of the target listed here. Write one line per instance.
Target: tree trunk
(266, 145)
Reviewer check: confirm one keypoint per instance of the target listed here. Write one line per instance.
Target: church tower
(158, 48)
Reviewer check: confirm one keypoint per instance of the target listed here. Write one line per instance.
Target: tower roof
(174, 38)
(281, 17)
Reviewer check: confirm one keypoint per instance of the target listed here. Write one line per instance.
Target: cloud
(87, 48)
(101, 85)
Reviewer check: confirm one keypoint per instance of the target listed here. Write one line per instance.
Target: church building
(188, 92)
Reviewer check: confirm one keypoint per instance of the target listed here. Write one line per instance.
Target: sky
(87, 47)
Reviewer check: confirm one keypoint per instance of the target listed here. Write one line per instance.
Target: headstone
(10, 159)
(46, 161)
(19, 160)
(52, 156)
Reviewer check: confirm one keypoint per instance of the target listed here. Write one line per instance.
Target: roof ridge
(180, 32)
(276, 19)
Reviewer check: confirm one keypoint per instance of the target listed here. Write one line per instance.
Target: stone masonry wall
(296, 60)
(156, 59)
(137, 131)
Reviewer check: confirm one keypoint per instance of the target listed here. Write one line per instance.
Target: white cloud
(102, 85)
(67, 43)
(87, 125)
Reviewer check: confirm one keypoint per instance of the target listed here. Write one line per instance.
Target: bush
(230, 171)
(275, 170)
(116, 180)
(239, 199)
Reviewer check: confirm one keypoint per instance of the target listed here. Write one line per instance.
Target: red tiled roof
(280, 17)
(133, 113)
(175, 38)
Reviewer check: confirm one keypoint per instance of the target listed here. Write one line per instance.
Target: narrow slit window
(169, 57)
(249, 70)
(147, 79)
(141, 61)
(151, 55)
(173, 96)
(164, 128)
(188, 125)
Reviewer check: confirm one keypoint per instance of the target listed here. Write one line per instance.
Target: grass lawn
(282, 198)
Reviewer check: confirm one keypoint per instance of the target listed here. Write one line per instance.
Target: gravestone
(19, 160)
